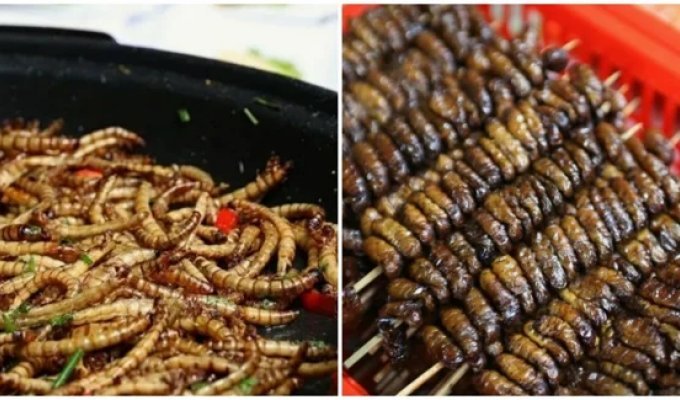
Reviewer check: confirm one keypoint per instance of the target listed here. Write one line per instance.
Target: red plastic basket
(624, 38)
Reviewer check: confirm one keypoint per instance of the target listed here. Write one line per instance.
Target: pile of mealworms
(122, 276)
(501, 214)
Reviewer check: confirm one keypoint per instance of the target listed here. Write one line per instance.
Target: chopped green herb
(318, 343)
(86, 259)
(198, 385)
(184, 115)
(267, 103)
(250, 116)
(8, 323)
(22, 309)
(125, 70)
(66, 373)
(30, 265)
(61, 320)
(246, 386)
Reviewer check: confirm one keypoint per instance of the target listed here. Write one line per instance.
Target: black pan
(92, 82)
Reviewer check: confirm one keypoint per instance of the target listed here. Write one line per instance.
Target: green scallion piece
(184, 115)
(30, 265)
(86, 259)
(267, 103)
(61, 320)
(8, 323)
(250, 116)
(246, 386)
(196, 386)
(66, 373)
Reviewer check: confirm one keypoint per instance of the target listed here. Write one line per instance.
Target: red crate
(624, 38)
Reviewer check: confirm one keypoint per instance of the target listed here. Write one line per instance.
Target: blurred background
(296, 40)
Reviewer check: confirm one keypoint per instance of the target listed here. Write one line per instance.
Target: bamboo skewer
(367, 279)
(612, 78)
(631, 107)
(675, 139)
(571, 45)
(630, 132)
(420, 380)
(451, 381)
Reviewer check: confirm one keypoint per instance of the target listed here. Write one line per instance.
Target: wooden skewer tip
(675, 139)
(420, 380)
(571, 45)
(631, 107)
(452, 380)
(612, 78)
(630, 132)
(367, 279)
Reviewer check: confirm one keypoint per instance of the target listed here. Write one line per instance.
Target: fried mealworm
(286, 235)
(260, 287)
(274, 174)
(129, 361)
(96, 210)
(299, 211)
(43, 279)
(197, 175)
(253, 265)
(232, 379)
(97, 341)
(51, 249)
(36, 145)
(163, 201)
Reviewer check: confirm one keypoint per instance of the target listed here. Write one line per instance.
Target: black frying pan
(92, 82)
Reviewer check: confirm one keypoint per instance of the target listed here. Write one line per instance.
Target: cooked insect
(101, 274)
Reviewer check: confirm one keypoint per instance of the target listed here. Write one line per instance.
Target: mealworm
(299, 211)
(286, 235)
(250, 233)
(275, 172)
(328, 258)
(78, 302)
(25, 385)
(259, 287)
(37, 145)
(98, 341)
(276, 348)
(64, 253)
(253, 265)
(198, 175)
(19, 197)
(162, 204)
(263, 317)
(43, 191)
(177, 276)
(45, 278)
(131, 360)
(232, 379)
(110, 132)
(317, 369)
(95, 211)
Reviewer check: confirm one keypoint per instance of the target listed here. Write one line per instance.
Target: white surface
(305, 35)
